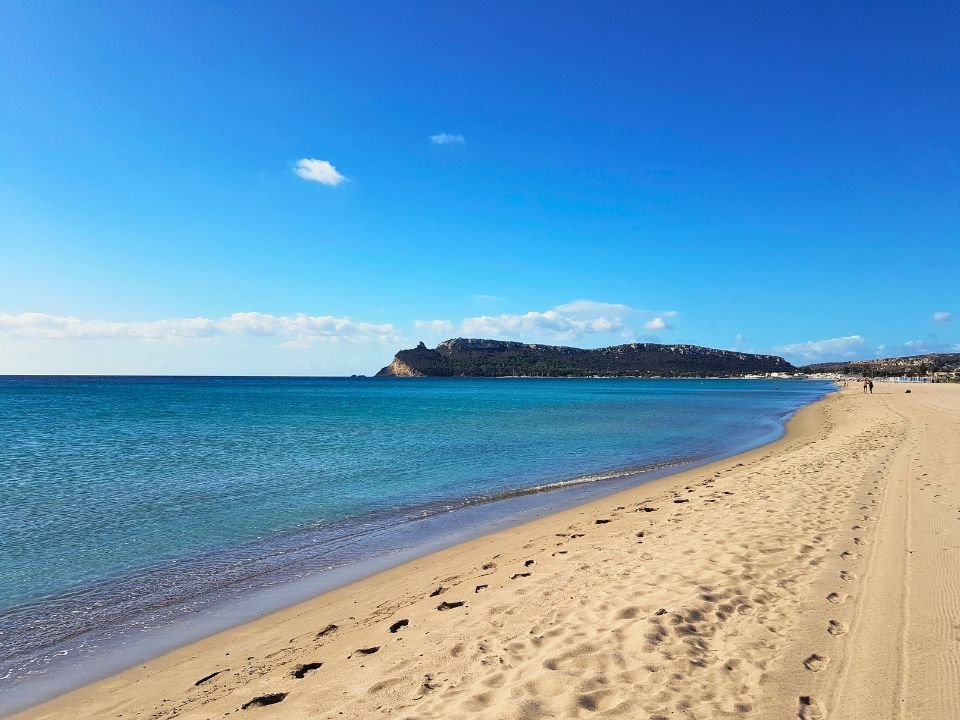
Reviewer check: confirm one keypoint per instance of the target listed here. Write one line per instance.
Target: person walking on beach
(865, 386)
(870, 383)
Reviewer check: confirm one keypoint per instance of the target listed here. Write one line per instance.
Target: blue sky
(306, 187)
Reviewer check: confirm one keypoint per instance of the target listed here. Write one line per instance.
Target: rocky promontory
(463, 357)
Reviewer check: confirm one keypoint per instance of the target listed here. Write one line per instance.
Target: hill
(891, 367)
(462, 357)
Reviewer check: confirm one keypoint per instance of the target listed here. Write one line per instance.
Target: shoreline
(584, 497)
(801, 577)
(472, 520)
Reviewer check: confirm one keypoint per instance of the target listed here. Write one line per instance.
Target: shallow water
(129, 504)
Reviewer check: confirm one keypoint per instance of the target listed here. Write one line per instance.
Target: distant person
(865, 386)
(870, 384)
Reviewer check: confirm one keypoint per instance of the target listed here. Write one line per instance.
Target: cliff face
(462, 357)
(398, 368)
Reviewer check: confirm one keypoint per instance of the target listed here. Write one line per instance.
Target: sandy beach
(814, 577)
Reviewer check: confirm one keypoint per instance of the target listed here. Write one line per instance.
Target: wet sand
(814, 577)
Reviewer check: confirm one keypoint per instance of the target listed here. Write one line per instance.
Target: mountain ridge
(478, 357)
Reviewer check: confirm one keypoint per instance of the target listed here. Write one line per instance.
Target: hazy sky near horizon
(304, 188)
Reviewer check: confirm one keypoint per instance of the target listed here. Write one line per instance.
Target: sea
(139, 513)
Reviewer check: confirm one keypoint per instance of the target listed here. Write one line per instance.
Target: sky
(305, 188)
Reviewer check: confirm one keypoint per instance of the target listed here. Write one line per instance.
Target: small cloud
(436, 327)
(320, 171)
(657, 323)
(942, 316)
(486, 298)
(841, 348)
(447, 139)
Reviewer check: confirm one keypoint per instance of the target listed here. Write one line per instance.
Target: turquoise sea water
(127, 504)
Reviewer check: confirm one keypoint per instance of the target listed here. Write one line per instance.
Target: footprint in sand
(816, 663)
(859, 541)
(847, 576)
(261, 700)
(835, 627)
(836, 598)
(811, 709)
(301, 670)
(399, 624)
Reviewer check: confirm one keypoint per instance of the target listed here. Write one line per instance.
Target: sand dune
(816, 577)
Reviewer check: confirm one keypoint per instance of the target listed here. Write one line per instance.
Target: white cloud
(300, 328)
(447, 139)
(942, 316)
(486, 298)
(537, 324)
(320, 171)
(841, 348)
(436, 327)
(56, 327)
(657, 323)
(567, 322)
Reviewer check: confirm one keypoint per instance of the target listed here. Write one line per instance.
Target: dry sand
(815, 577)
